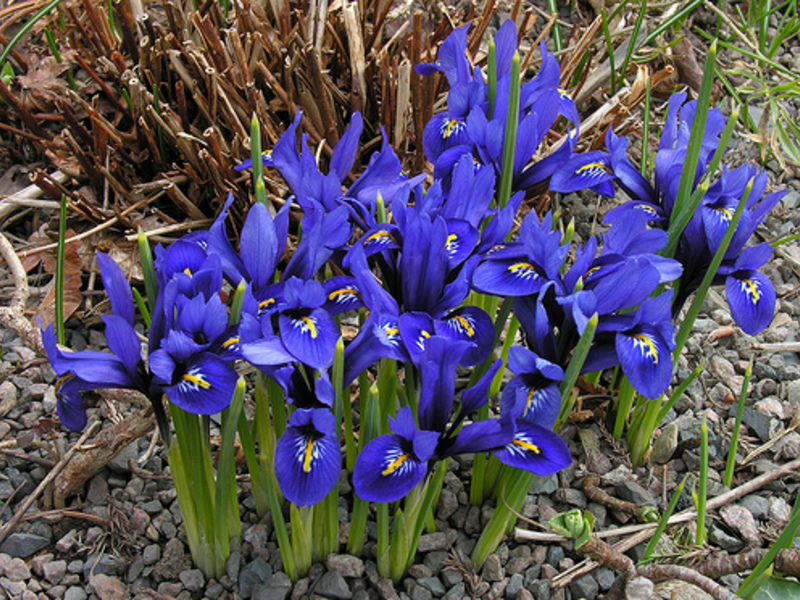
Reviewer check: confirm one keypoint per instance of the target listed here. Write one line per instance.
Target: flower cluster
(414, 276)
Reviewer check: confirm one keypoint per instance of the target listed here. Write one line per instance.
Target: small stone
(99, 564)
(639, 588)
(173, 561)
(779, 511)
(664, 445)
(16, 570)
(151, 554)
(214, 591)
(493, 569)
(135, 569)
(771, 407)
(757, 505)
(571, 496)
(524, 594)
(742, 521)
(433, 585)
(584, 587)
(192, 579)
(758, 422)
(448, 504)
(14, 588)
(457, 592)
(386, 589)
(347, 565)
(54, 571)
(120, 463)
(451, 577)
(232, 565)
(433, 541)
(596, 460)
(75, 593)
(419, 571)
(675, 589)
(23, 545)
(789, 446)
(514, 585)
(544, 485)
(555, 554)
(632, 492)
(333, 585)
(435, 561)
(256, 572)
(107, 587)
(98, 491)
(541, 589)
(719, 537)
(416, 591)
(8, 397)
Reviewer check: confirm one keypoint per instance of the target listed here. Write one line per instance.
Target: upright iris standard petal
(259, 245)
(645, 358)
(535, 449)
(117, 287)
(123, 341)
(307, 457)
(204, 385)
(751, 298)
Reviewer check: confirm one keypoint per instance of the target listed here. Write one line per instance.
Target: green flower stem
(492, 534)
(387, 392)
(643, 167)
(625, 397)
(257, 479)
(326, 518)
(433, 487)
(384, 557)
(279, 525)
(730, 463)
(610, 50)
(60, 259)
(552, 5)
(237, 303)
(701, 504)
(358, 520)
(511, 333)
(140, 304)
(694, 308)
(278, 404)
(510, 138)
(478, 479)
(639, 437)
(302, 521)
(226, 504)
(574, 369)
(662, 524)
(148, 269)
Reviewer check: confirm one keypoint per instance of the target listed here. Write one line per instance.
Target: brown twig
(664, 572)
(13, 315)
(54, 472)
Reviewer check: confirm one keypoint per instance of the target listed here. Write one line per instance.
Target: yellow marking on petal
(390, 331)
(465, 325)
(312, 328)
(265, 303)
(380, 234)
(726, 212)
(520, 266)
(450, 128)
(62, 380)
(230, 342)
(527, 445)
(591, 272)
(652, 351)
(198, 381)
(531, 393)
(594, 165)
(562, 92)
(308, 455)
(646, 208)
(187, 271)
(343, 292)
(425, 334)
(395, 465)
(753, 289)
(450, 239)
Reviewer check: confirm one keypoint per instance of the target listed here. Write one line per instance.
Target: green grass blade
(25, 29)
(148, 269)
(700, 538)
(662, 524)
(226, 505)
(510, 139)
(637, 27)
(730, 463)
(60, 259)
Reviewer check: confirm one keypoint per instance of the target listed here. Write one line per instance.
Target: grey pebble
(347, 565)
(192, 579)
(433, 585)
(16, 570)
(333, 585)
(151, 554)
(54, 571)
(514, 585)
(23, 545)
(457, 592)
(544, 485)
(75, 593)
(256, 572)
(541, 589)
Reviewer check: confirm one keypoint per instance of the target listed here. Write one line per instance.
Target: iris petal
(117, 287)
(751, 298)
(204, 386)
(310, 336)
(645, 359)
(507, 277)
(307, 459)
(535, 449)
(387, 469)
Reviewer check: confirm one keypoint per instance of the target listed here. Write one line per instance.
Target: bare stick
(664, 572)
(28, 502)
(13, 315)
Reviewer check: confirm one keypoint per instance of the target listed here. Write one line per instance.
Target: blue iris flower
(393, 464)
